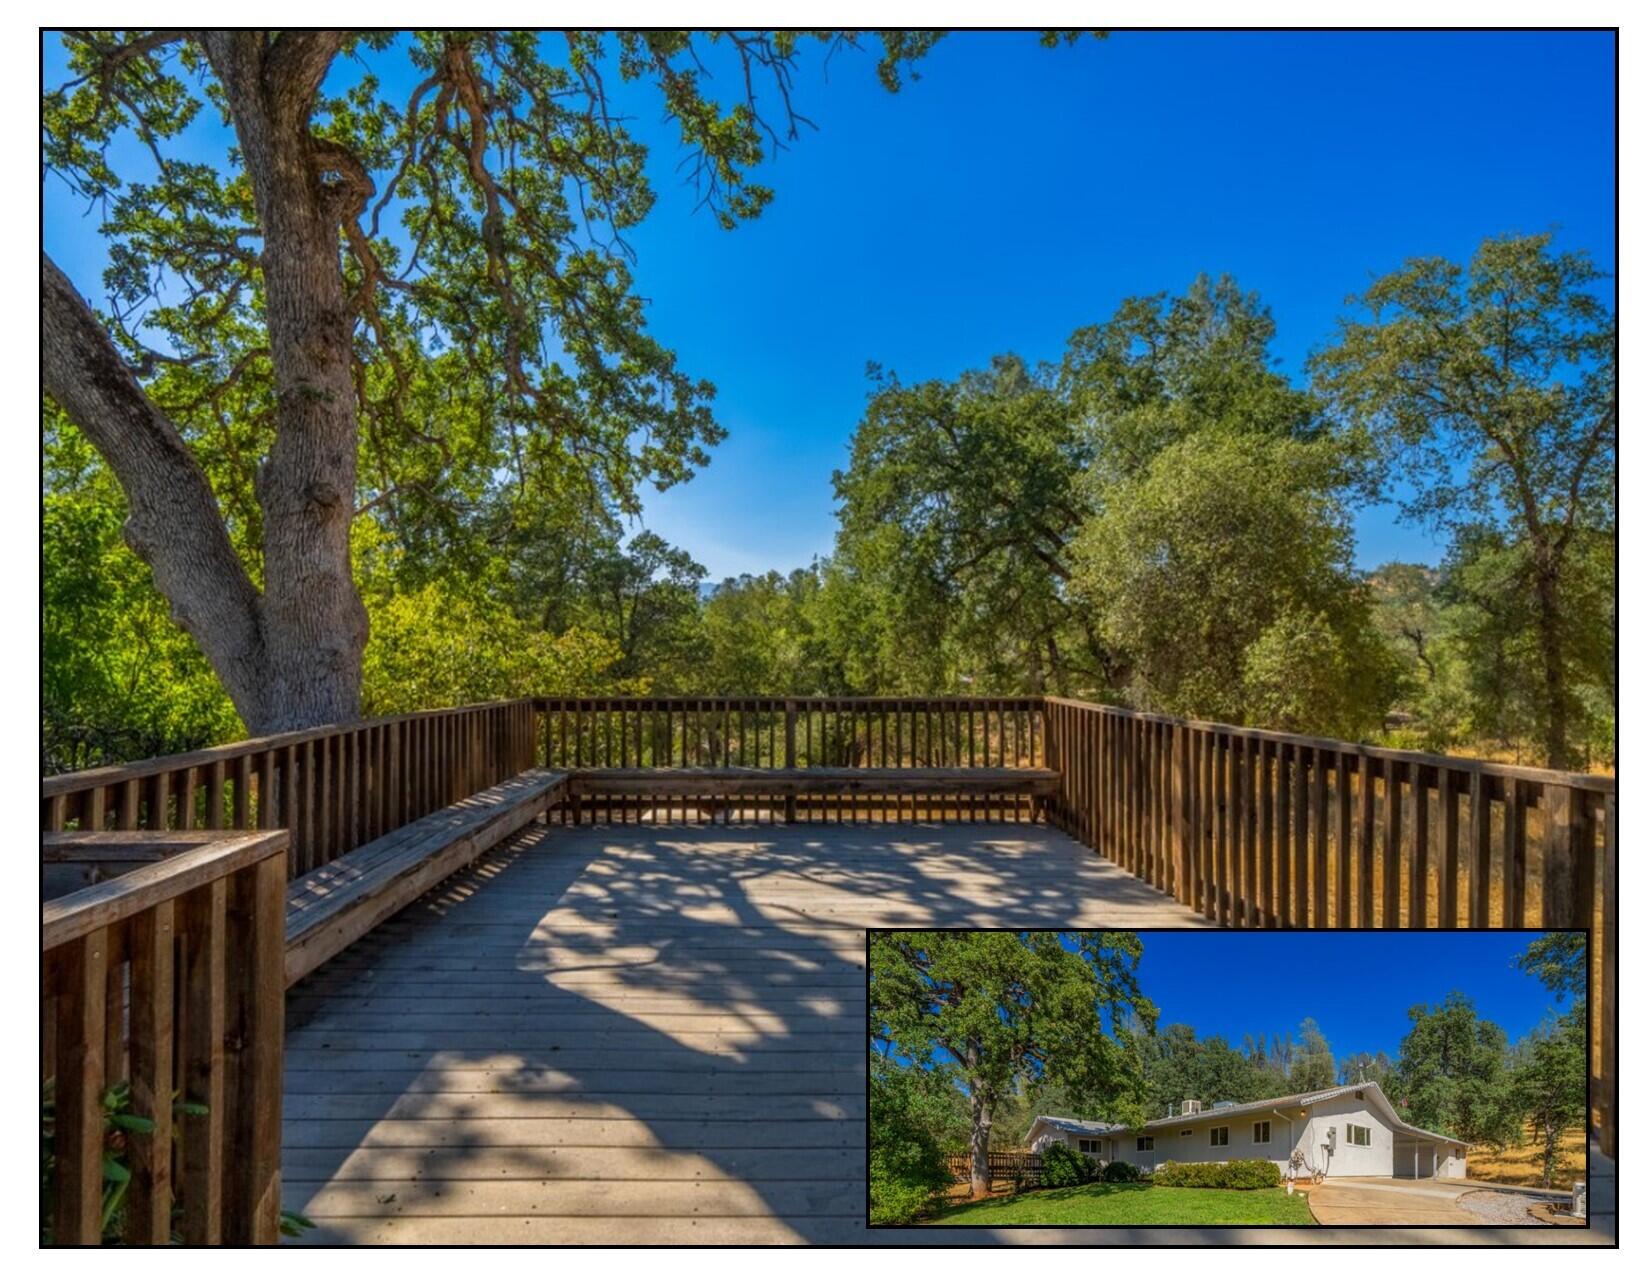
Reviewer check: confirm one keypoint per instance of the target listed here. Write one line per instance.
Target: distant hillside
(1521, 1166)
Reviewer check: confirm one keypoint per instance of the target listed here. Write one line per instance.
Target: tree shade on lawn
(1134, 1204)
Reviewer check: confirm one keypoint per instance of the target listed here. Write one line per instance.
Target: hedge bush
(1234, 1175)
(1121, 1171)
(1062, 1166)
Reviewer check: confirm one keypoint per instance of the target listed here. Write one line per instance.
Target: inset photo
(1153, 1078)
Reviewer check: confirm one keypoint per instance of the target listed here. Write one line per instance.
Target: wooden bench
(330, 908)
(712, 790)
(737, 781)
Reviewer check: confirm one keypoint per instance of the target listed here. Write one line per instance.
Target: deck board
(639, 1033)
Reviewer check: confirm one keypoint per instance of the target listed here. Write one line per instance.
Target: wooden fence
(167, 980)
(1256, 828)
(1010, 1166)
(333, 788)
(775, 733)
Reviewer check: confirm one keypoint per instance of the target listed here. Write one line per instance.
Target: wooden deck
(640, 1034)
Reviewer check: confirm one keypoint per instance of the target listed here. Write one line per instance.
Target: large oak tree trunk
(289, 657)
(979, 1145)
(1555, 694)
(315, 627)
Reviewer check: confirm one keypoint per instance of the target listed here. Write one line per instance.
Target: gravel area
(1500, 1207)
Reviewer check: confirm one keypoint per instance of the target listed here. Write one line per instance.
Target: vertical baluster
(1449, 866)
(215, 796)
(1391, 895)
(1266, 800)
(1303, 761)
(1343, 841)
(1478, 838)
(159, 814)
(242, 816)
(127, 817)
(201, 1149)
(1419, 868)
(1280, 831)
(1514, 859)
(1366, 842)
(149, 1198)
(254, 1026)
(1245, 876)
(78, 1091)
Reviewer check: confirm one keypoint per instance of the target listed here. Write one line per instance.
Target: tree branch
(293, 70)
(174, 523)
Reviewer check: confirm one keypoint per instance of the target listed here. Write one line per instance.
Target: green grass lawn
(1131, 1204)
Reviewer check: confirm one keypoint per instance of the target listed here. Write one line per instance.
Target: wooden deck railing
(1251, 828)
(333, 788)
(1256, 828)
(164, 981)
(777, 733)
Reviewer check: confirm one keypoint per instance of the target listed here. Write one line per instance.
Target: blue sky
(1014, 193)
(1359, 985)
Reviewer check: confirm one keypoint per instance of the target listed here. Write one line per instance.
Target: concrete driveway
(1386, 1202)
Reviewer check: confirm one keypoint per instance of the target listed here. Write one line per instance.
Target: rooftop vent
(1223, 1103)
(1191, 1106)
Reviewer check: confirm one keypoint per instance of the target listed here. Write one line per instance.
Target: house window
(1357, 1135)
(1143, 1144)
(1263, 1131)
(1089, 1146)
(1185, 1133)
(1218, 1136)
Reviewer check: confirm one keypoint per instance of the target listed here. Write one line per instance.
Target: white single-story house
(1348, 1131)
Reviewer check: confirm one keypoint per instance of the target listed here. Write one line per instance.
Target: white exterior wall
(1452, 1161)
(1348, 1161)
(1194, 1148)
(1387, 1144)
(1048, 1136)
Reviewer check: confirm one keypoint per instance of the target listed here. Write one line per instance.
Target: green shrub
(1234, 1175)
(1252, 1175)
(907, 1163)
(1121, 1171)
(1063, 1166)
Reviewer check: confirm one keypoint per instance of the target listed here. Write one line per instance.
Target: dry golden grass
(1521, 1166)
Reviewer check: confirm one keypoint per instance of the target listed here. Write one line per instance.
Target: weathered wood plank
(110, 902)
(201, 1149)
(78, 1089)
(149, 1199)
(333, 907)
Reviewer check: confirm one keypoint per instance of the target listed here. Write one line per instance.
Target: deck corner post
(790, 756)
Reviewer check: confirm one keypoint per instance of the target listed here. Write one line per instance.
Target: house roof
(1244, 1108)
(1078, 1126)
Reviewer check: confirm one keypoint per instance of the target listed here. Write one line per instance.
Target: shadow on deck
(650, 1034)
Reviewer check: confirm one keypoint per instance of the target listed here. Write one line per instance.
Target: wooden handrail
(107, 776)
(1448, 761)
(184, 868)
(333, 788)
(168, 980)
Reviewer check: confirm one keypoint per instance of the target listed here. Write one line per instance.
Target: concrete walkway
(1383, 1202)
